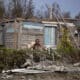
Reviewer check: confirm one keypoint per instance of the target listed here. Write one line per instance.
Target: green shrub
(42, 55)
(66, 49)
(10, 58)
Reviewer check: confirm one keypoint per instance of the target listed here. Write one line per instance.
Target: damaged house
(21, 33)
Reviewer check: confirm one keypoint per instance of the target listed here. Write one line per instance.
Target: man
(37, 45)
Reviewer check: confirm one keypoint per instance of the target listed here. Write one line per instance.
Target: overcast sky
(73, 6)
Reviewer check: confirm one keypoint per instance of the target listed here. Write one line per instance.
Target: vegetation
(66, 49)
(11, 58)
(16, 9)
(42, 55)
(65, 44)
(2, 9)
(26, 9)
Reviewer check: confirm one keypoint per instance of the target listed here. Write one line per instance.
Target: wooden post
(3, 33)
(19, 35)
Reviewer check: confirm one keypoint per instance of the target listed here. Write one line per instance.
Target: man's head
(37, 41)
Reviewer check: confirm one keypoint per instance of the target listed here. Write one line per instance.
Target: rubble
(27, 63)
(77, 64)
(36, 72)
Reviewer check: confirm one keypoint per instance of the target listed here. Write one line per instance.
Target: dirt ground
(46, 76)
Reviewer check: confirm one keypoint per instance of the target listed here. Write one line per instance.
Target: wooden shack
(21, 33)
